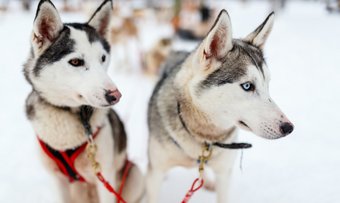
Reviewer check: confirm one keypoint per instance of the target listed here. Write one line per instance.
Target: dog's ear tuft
(47, 24)
(259, 36)
(100, 20)
(219, 39)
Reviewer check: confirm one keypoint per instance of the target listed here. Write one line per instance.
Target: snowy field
(303, 54)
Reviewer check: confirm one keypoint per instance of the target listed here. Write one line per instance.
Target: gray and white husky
(204, 96)
(67, 69)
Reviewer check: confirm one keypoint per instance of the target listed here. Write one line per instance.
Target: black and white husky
(204, 96)
(67, 69)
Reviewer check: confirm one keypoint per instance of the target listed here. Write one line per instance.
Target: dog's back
(164, 92)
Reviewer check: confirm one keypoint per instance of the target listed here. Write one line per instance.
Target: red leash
(91, 154)
(128, 166)
(198, 182)
(193, 189)
(65, 161)
(107, 185)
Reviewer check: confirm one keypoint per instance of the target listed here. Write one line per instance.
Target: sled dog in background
(67, 69)
(155, 57)
(204, 96)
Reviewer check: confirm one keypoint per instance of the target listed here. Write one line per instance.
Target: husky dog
(67, 69)
(204, 96)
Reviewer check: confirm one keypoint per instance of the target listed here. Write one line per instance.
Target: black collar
(85, 115)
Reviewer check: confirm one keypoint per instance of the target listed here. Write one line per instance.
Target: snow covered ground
(303, 54)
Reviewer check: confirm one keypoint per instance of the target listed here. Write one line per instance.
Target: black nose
(286, 128)
(110, 98)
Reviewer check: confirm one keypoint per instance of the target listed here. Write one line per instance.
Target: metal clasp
(204, 158)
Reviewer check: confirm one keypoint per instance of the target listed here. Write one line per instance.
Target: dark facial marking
(26, 74)
(244, 124)
(27, 66)
(62, 46)
(91, 33)
(255, 54)
(232, 68)
(223, 76)
(234, 65)
(30, 111)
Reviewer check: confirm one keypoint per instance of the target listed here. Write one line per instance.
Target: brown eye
(103, 58)
(76, 62)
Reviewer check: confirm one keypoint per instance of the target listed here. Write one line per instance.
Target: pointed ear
(219, 39)
(47, 25)
(100, 19)
(260, 35)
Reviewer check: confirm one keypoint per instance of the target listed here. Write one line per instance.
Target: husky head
(228, 80)
(68, 62)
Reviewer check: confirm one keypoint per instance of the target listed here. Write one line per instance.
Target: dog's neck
(74, 110)
(198, 124)
(61, 127)
(83, 112)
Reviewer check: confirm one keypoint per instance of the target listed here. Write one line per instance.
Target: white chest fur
(62, 129)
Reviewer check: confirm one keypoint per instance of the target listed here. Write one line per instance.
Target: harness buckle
(204, 158)
(91, 151)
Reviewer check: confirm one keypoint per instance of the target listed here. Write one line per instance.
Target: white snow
(303, 54)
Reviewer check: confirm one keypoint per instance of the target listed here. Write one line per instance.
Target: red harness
(65, 162)
(65, 159)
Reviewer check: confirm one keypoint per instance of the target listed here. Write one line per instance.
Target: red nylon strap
(56, 160)
(107, 185)
(70, 160)
(127, 168)
(70, 163)
(193, 189)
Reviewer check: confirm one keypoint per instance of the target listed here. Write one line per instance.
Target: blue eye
(248, 86)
